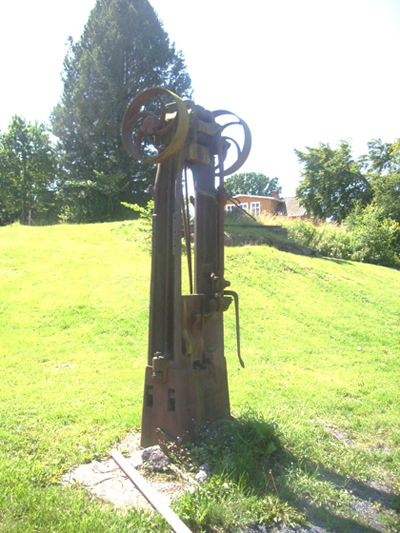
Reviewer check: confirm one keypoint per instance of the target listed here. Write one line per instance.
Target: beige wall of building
(255, 205)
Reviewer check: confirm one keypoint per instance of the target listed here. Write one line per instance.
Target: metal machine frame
(186, 376)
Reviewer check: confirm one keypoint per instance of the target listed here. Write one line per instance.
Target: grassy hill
(320, 339)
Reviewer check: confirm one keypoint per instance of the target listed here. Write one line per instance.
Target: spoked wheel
(242, 148)
(155, 125)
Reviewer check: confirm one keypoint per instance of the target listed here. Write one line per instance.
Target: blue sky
(299, 72)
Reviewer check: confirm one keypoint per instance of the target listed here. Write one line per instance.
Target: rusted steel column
(166, 261)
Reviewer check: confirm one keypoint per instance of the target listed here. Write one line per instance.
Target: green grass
(321, 343)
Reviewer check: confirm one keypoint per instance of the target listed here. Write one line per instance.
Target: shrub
(376, 238)
(303, 232)
(366, 235)
(329, 239)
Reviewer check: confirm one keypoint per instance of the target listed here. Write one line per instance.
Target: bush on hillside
(330, 240)
(366, 236)
(376, 238)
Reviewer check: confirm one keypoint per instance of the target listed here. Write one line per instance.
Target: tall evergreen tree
(123, 50)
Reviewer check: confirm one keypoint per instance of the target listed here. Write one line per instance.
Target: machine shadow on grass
(333, 502)
(247, 453)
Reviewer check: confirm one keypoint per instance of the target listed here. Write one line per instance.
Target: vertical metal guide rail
(186, 376)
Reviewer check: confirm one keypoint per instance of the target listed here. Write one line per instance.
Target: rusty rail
(150, 494)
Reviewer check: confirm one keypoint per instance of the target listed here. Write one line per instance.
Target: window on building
(232, 207)
(255, 209)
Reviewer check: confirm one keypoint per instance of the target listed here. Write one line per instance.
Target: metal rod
(236, 202)
(236, 299)
(186, 225)
(150, 494)
(221, 212)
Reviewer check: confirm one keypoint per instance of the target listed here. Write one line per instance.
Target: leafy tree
(123, 50)
(384, 165)
(251, 183)
(27, 171)
(333, 183)
(383, 157)
(387, 195)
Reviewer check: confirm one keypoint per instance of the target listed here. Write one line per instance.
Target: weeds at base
(240, 488)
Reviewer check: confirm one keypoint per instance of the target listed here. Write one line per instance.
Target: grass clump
(238, 447)
(239, 489)
(221, 505)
